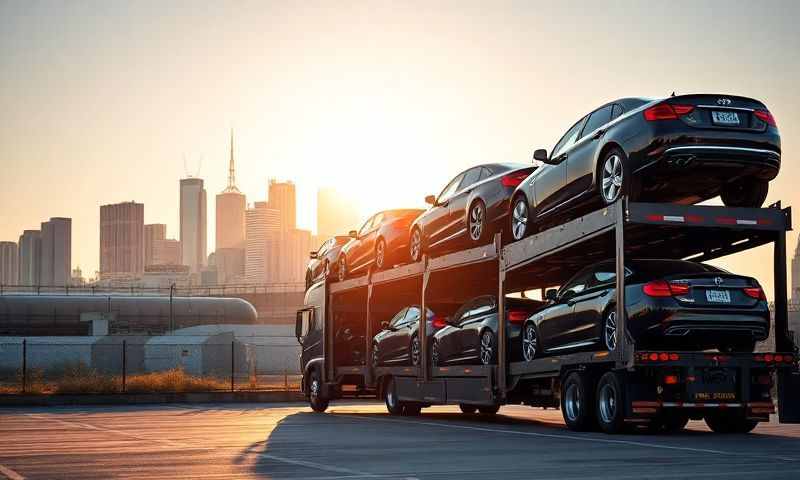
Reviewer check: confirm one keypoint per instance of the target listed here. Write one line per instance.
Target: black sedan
(682, 149)
(382, 241)
(469, 210)
(671, 304)
(325, 260)
(398, 343)
(470, 336)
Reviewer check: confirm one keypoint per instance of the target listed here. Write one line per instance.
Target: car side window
(412, 315)
(597, 119)
(604, 274)
(481, 306)
(377, 220)
(575, 286)
(399, 318)
(450, 189)
(471, 177)
(485, 173)
(616, 111)
(366, 227)
(568, 139)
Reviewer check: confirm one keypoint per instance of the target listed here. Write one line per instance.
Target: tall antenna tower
(231, 173)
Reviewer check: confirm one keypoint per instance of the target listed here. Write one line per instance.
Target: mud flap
(789, 397)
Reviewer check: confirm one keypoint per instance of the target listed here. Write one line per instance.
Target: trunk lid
(714, 290)
(720, 112)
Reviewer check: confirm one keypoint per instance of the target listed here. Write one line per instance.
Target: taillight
(666, 111)
(662, 288)
(765, 117)
(438, 322)
(516, 316)
(755, 292)
(671, 379)
(514, 179)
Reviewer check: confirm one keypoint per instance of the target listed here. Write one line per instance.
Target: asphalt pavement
(359, 440)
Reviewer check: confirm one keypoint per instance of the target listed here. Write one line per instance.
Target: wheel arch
(611, 144)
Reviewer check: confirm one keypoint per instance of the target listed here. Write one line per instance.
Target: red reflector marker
(653, 356)
(663, 356)
(768, 357)
(778, 358)
(674, 357)
(671, 379)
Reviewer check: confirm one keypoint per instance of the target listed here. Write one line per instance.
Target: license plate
(704, 396)
(718, 296)
(725, 118)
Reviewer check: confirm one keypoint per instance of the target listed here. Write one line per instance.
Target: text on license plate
(727, 118)
(719, 296)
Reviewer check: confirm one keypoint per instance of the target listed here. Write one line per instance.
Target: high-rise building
(287, 256)
(282, 197)
(166, 251)
(152, 232)
(30, 254)
(335, 214)
(260, 222)
(193, 223)
(56, 253)
(231, 205)
(9, 264)
(121, 240)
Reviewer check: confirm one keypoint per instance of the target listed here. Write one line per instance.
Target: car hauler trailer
(612, 389)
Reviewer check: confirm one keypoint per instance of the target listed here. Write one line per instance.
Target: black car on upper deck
(682, 149)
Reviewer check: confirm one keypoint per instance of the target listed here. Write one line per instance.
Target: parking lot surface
(359, 440)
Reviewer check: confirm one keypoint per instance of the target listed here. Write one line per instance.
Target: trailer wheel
(732, 421)
(610, 401)
(576, 402)
(315, 398)
(468, 409)
(489, 409)
(393, 404)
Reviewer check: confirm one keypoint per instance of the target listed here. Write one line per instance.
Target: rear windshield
(663, 268)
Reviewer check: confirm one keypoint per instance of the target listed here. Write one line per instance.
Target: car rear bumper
(761, 163)
(692, 330)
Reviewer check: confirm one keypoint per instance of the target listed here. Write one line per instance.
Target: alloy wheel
(313, 390)
(487, 349)
(608, 403)
(415, 351)
(530, 343)
(612, 178)
(435, 354)
(610, 330)
(572, 402)
(415, 245)
(476, 215)
(519, 219)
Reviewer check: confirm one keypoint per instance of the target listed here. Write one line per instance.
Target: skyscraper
(152, 232)
(193, 223)
(335, 214)
(231, 229)
(9, 264)
(282, 198)
(166, 251)
(286, 256)
(30, 252)
(261, 221)
(121, 240)
(56, 253)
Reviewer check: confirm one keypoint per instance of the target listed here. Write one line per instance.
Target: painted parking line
(567, 437)
(10, 474)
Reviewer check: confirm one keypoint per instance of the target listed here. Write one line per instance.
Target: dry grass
(175, 380)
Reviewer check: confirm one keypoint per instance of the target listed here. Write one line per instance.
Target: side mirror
(298, 325)
(540, 154)
(551, 294)
(312, 255)
(353, 234)
(430, 200)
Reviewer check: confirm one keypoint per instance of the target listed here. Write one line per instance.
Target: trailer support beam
(423, 323)
(502, 328)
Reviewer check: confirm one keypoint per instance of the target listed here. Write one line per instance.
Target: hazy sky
(100, 101)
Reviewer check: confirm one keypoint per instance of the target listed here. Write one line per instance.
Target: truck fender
(317, 362)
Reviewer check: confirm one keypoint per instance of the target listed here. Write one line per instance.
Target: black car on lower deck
(682, 149)
(470, 336)
(398, 343)
(671, 304)
(468, 211)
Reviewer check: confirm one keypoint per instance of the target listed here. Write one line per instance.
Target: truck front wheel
(315, 397)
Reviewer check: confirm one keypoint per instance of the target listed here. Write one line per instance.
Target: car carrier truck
(612, 390)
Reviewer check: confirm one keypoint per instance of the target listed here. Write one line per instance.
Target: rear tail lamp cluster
(755, 292)
(765, 117)
(438, 322)
(663, 288)
(514, 179)
(667, 111)
(659, 357)
(517, 317)
(774, 358)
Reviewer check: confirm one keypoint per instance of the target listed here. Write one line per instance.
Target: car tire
(477, 223)
(614, 178)
(487, 350)
(610, 403)
(415, 245)
(488, 409)
(342, 269)
(748, 192)
(315, 397)
(380, 254)
(467, 408)
(577, 405)
(731, 421)
(531, 345)
(519, 219)
(414, 351)
(610, 333)
(393, 404)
